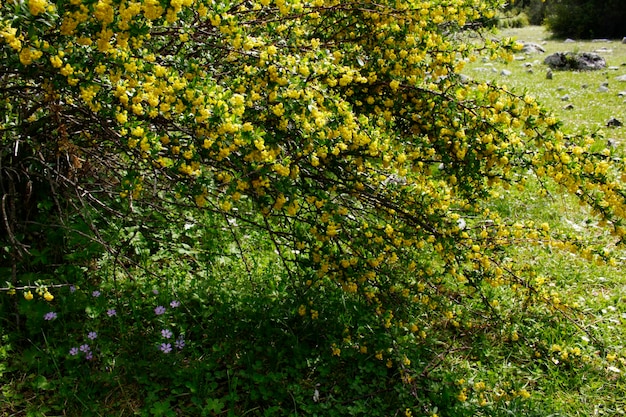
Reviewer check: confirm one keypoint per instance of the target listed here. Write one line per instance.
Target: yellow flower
(28, 295)
(48, 297)
(37, 7)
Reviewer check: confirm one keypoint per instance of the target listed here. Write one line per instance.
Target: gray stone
(568, 40)
(532, 48)
(624, 39)
(505, 73)
(613, 122)
(565, 97)
(603, 89)
(583, 61)
(549, 74)
(621, 94)
(621, 78)
(569, 107)
(613, 68)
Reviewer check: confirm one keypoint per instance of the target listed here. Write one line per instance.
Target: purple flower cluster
(50, 316)
(84, 348)
(166, 347)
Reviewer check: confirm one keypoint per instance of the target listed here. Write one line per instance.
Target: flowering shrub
(337, 141)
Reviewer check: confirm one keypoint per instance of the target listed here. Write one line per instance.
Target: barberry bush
(282, 207)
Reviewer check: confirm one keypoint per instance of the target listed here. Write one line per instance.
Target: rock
(569, 107)
(549, 74)
(621, 78)
(568, 40)
(505, 73)
(532, 48)
(583, 61)
(603, 88)
(600, 40)
(621, 94)
(624, 39)
(613, 122)
(565, 97)
(613, 68)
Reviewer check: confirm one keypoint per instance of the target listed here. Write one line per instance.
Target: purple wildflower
(111, 312)
(72, 288)
(89, 355)
(180, 343)
(159, 310)
(74, 351)
(175, 304)
(95, 294)
(50, 316)
(92, 335)
(85, 348)
(166, 333)
(155, 292)
(166, 347)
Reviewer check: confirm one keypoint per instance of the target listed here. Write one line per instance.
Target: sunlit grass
(573, 96)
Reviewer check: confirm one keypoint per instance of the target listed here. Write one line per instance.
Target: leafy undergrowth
(205, 331)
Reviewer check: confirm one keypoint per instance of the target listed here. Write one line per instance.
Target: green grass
(596, 292)
(591, 109)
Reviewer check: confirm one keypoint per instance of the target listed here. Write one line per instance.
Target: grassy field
(598, 292)
(573, 96)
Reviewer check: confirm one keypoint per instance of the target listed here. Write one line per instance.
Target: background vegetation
(578, 19)
(285, 208)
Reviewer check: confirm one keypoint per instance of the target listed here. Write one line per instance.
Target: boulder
(532, 48)
(583, 61)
